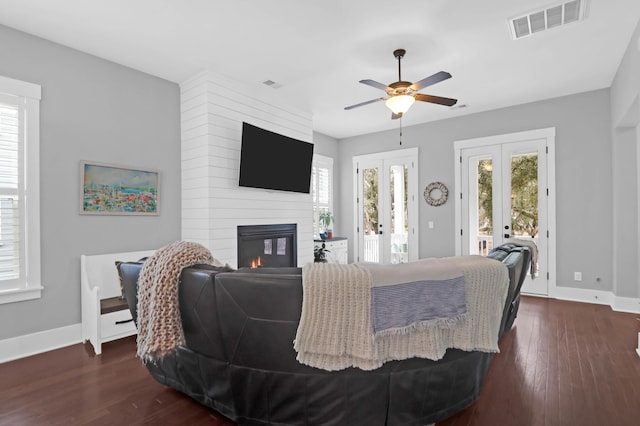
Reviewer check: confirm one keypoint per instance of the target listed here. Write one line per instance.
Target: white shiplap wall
(213, 108)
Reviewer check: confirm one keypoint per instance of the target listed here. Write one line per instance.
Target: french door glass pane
(524, 197)
(485, 206)
(398, 178)
(370, 217)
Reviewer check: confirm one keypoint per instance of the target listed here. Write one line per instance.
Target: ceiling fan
(402, 94)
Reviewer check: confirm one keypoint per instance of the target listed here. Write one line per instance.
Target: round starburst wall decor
(436, 194)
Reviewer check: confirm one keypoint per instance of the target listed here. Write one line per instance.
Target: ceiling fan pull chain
(401, 130)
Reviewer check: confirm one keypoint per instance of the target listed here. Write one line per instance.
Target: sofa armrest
(516, 259)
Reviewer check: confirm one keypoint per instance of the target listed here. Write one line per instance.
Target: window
(19, 191)
(321, 188)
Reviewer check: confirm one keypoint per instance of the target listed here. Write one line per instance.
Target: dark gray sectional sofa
(239, 359)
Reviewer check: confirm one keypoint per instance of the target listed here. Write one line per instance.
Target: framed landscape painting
(109, 189)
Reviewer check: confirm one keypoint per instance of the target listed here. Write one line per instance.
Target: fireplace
(267, 245)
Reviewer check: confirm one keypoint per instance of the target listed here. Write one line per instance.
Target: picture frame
(112, 189)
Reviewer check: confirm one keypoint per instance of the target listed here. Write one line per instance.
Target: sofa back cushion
(197, 304)
(259, 314)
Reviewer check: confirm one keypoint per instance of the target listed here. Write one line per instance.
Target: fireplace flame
(256, 263)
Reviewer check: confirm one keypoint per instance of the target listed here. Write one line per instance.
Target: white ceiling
(317, 51)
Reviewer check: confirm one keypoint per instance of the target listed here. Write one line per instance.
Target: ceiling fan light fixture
(401, 94)
(400, 104)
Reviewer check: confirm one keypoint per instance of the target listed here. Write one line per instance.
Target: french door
(504, 186)
(386, 208)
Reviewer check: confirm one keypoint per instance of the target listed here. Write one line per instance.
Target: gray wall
(625, 207)
(583, 176)
(91, 109)
(625, 113)
(626, 84)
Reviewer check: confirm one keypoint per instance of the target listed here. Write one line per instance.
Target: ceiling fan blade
(435, 99)
(365, 103)
(375, 84)
(432, 79)
(395, 116)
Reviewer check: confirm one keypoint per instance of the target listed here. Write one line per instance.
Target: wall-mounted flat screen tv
(272, 161)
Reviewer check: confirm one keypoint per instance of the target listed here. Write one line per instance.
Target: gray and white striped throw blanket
(415, 294)
(336, 328)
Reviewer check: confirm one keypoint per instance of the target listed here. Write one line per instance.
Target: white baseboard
(36, 343)
(626, 304)
(599, 297)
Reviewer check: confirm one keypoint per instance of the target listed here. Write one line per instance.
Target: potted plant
(320, 253)
(326, 218)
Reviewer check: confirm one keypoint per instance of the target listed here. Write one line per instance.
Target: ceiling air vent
(272, 84)
(547, 18)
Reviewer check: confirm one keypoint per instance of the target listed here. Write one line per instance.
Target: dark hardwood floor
(563, 363)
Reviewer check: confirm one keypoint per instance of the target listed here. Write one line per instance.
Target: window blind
(20, 277)
(11, 184)
(321, 176)
(323, 187)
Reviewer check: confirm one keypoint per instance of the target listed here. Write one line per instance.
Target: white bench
(99, 281)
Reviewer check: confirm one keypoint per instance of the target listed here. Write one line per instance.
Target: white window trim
(32, 93)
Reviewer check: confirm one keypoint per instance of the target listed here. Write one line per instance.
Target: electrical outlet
(577, 276)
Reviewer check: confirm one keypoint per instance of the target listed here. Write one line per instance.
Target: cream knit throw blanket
(335, 329)
(159, 323)
(533, 248)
